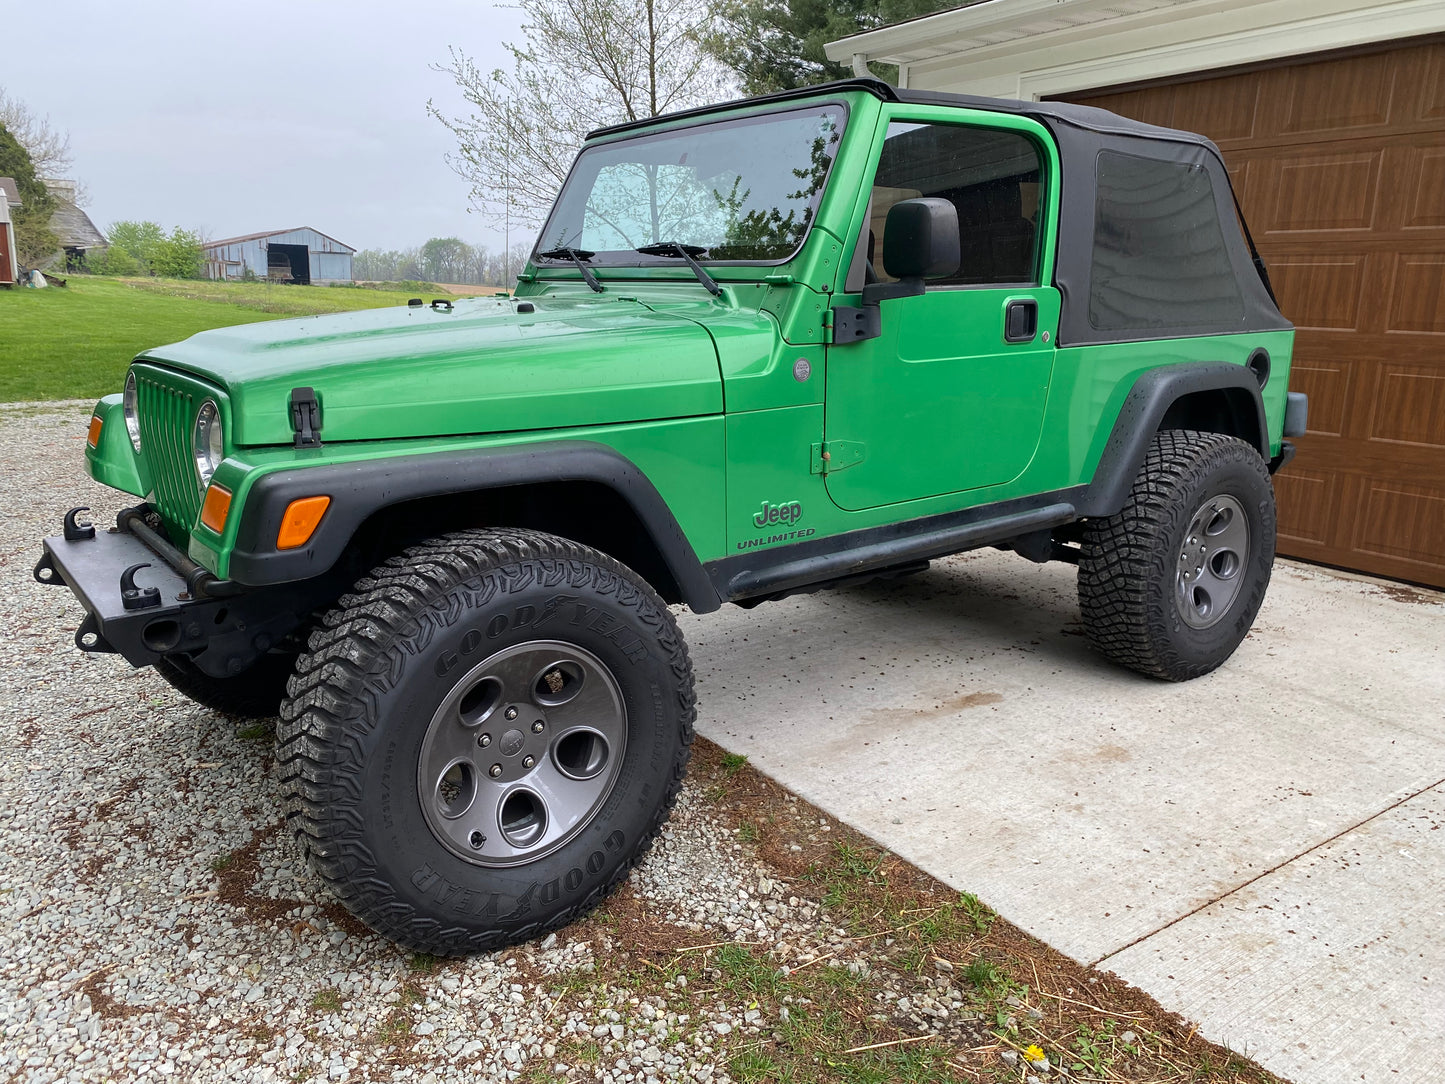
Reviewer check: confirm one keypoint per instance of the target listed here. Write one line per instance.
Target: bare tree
(585, 63)
(49, 150)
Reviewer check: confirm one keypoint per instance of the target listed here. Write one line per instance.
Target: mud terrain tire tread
(333, 703)
(1129, 560)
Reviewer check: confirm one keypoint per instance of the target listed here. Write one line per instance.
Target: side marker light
(299, 522)
(216, 508)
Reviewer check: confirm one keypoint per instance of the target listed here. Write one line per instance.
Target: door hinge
(837, 455)
(852, 325)
(306, 417)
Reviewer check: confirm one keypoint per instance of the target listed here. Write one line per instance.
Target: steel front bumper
(139, 605)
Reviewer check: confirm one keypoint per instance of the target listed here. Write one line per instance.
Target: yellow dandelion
(1034, 1053)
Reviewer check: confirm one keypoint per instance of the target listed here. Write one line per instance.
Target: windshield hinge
(306, 417)
(837, 455)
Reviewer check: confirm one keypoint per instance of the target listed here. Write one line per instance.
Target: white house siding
(1033, 49)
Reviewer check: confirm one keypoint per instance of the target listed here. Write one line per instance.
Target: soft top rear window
(744, 190)
(1159, 257)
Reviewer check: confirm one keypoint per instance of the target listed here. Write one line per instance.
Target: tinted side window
(1159, 259)
(991, 177)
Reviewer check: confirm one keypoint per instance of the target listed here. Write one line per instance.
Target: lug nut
(495, 770)
(527, 762)
(538, 727)
(484, 740)
(511, 713)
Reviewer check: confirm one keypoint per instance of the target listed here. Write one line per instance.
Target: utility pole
(507, 207)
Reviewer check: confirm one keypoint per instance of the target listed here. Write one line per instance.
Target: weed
(732, 763)
(840, 979)
(1091, 1048)
(744, 971)
(978, 913)
(326, 1000)
(985, 975)
(580, 1051)
(395, 1029)
(256, 732)
(422, 963)
(748, 832)
(752, 1066)
(223, 862)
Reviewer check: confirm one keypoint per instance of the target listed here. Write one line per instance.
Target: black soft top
(1086, 117)
(1152, 243)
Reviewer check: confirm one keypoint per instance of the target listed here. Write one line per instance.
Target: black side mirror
(920, 240)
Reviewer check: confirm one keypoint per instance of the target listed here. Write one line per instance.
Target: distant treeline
(442, 259)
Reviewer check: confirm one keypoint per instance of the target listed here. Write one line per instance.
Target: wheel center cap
(512, 742)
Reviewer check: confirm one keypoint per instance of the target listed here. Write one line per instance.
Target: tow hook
(76, 531)
(137, 598)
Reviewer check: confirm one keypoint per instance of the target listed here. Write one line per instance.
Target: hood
(481, 367)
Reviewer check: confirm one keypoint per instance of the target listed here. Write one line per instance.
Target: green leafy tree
(112, 260)
(445, 259)
(145, 248)
(778, 44)
(178, 256)
(33, 239)
(140, 240)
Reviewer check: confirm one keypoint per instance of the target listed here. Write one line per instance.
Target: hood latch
(306, 417)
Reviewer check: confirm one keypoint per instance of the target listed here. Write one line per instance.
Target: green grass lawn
(75, 342)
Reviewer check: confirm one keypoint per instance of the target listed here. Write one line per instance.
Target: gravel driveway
(155, 920)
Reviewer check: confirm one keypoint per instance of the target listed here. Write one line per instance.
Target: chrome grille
(166, 418)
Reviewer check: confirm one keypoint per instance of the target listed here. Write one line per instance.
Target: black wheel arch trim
(1143, 413)
(358, 490)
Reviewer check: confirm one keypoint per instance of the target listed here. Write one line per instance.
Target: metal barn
(302, 256)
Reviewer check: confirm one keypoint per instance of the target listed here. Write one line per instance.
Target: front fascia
(682, 459)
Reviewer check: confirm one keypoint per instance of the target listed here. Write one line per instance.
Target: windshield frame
(639, 261)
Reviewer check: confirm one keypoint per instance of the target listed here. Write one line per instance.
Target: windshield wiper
(577, 256)
(684, 252)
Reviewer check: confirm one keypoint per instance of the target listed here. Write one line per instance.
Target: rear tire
(1170, 585)
(484, 737)
(255, 693)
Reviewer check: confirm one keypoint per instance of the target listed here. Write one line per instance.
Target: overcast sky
(239, 117)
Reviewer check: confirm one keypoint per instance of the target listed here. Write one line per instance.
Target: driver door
(950, 396)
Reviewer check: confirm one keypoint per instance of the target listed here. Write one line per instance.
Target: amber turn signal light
(299, 522)
(216, 508)
(93, 437)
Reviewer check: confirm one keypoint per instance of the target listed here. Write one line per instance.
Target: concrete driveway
(1263, 849)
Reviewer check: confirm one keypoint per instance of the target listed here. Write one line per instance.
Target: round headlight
(128, 409)
(207, 443)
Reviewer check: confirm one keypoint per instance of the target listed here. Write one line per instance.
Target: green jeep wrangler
(761, 348)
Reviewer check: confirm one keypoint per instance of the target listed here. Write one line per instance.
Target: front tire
(484, 737)
(1170, 585)
(254, 693)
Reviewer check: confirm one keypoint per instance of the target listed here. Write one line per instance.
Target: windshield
(739, 189)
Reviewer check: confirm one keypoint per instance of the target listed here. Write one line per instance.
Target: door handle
(1020, 320)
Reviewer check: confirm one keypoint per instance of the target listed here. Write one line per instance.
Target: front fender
(113, 461)
(359, 490)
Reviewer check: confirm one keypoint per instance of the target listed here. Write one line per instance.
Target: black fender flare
(360, 489)
(1144, 410)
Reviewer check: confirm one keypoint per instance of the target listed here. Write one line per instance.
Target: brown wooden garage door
(1340, 165)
